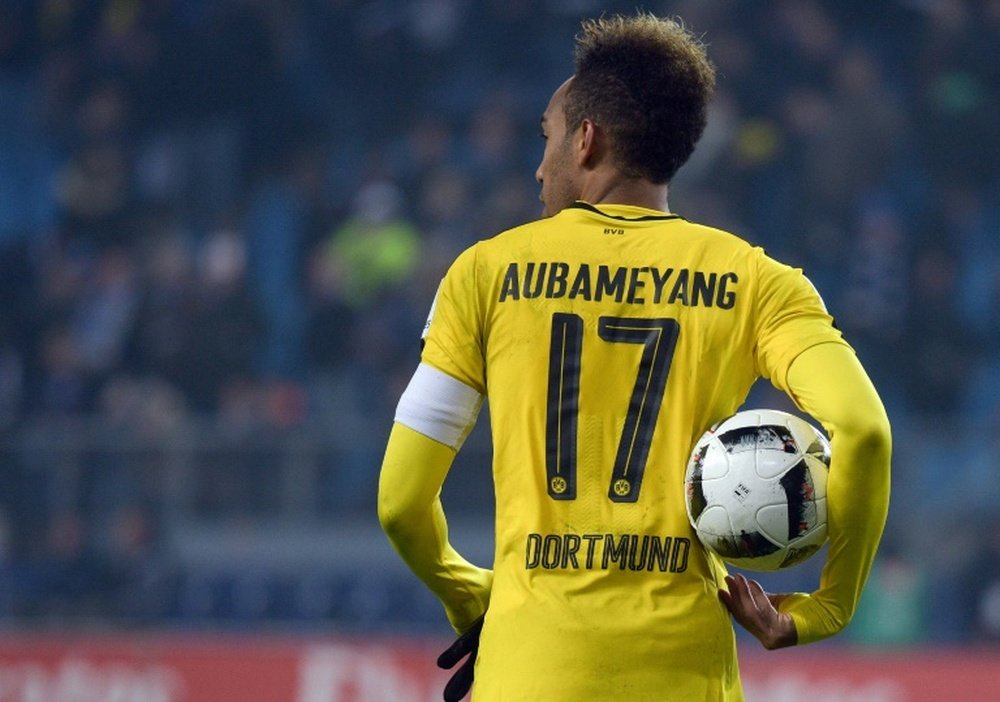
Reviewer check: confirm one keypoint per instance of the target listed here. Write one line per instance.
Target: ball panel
(714, 521)
(820, 451)
(773, 521)
(711, 461)
(770, 464)
(809, 439)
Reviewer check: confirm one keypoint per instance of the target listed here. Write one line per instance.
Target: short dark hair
(647, 81)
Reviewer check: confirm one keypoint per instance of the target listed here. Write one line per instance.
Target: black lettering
(679, 558)
(637, 559)
(726, 299)
(591, 540)
(529, 291)
(532, 551)
(659, 282)
(551, 550)
(581, 284)
(613, 552)
(659, 554)
(509, 286)
(611, 286)
(703, 289)
(634, 552)
(558, 272)
(634, 285)
(680, 291)
(570, 548)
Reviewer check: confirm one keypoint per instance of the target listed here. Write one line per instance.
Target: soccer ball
(755, 488)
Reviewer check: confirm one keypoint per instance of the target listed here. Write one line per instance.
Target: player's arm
(433, 417)
(828, 382)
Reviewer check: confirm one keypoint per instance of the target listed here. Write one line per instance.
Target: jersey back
(606, 341)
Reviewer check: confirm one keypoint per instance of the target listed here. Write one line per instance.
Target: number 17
(659, 337)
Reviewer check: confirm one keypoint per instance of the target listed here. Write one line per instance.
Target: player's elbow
(837, 618)
(396, 512)
(869, 430)
(391, 511)
(874, 433)
(827, 619)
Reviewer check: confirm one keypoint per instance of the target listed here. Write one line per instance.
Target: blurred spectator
(161, 338)
(376, 249)
(224, 319)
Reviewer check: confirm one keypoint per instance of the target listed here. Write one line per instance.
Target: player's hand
(466, 645)
(757, 612)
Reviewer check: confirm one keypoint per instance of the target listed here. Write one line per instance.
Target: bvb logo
(622, 487)
(558, 485)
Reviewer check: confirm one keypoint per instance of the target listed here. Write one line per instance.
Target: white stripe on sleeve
(439, 406)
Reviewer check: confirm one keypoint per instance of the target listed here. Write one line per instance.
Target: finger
(744, 596)
(726, 598)
(757, 594)
(454, 653)
(747, 607)
(731, 596)
(460, 683)
(461, 647)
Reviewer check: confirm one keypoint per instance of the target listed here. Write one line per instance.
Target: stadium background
(221, 227)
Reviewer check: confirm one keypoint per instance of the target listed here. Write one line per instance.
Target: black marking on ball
(696, 492)
(765, 436)
(800, 493)
(744, 545)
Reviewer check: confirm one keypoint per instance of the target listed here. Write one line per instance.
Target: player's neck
(626, 191)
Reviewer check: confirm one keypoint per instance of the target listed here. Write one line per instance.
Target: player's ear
(587, 139)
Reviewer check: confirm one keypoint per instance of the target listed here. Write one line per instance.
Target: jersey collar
(626, 213)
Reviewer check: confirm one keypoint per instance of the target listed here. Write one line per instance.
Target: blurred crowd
(237, 213)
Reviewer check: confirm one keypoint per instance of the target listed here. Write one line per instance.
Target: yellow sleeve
(791, 317)
(455, 341)
(410, 511)
(828, 382)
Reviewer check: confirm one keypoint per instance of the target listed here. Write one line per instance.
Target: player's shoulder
(488, 250)
(501, 245)
(512, 235)
(717, 237)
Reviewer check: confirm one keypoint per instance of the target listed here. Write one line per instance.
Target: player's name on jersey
(637, 285)
(667, 554)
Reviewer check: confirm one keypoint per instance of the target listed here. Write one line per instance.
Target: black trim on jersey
(581, 205)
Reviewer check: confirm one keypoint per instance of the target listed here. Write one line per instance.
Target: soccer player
(607, 337)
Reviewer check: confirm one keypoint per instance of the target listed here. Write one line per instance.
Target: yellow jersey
(606, 340)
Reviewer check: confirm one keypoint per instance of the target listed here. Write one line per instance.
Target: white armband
(439, 406)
